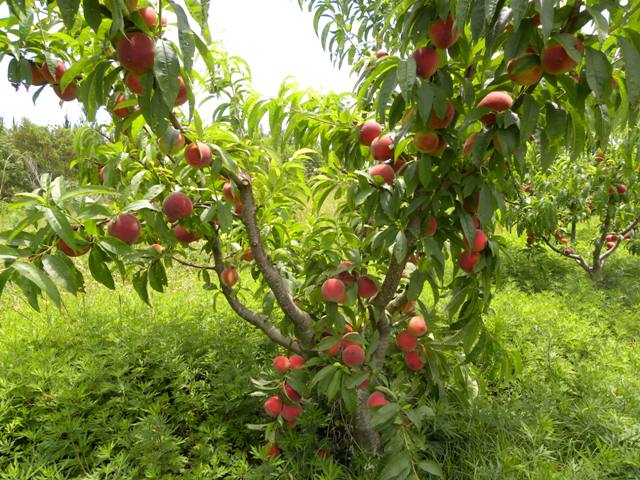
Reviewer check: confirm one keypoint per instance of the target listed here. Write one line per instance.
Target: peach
(182, 93)
(497, 101)
(333, 350)
(56, 75)
(291, 393)
(69, 93)
(247, 256)
(382, 173)
(171, 142)
(416, 326)
(367, 288)
(149, 16)
(230, 277)
(442, 34)
(198, 155)
(621, 188)
(413, 360)
(291, 412)
(37, 78)
(135, 52)
(281, 363)
(296, 361)
(272, 450)
(333, 290)
(468, 144)
(369, 131)
(479, 243)
(382, 148)
(126, 227)
(381, 53)
(468, 260)
(377, 399)
(437, 122)
(353, 355)
(427, 142)
(67, 250)
(183, 235)
(273, 406)
(555, 59)
(177, 206)
(134, 83)
(346, 276)
(427, 61)
(432, 226)
(525, 69)
(121, 112)
(406, 342)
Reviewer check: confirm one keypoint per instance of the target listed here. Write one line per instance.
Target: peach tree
(356, 231)
(595, 190)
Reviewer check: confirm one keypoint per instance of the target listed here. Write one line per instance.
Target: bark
(257, 319)
(366, 436)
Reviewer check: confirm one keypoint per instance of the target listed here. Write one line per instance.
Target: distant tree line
(28, 150)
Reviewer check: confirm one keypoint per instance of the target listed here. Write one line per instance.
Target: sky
(275, 37)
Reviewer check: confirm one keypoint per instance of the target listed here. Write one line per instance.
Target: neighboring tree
(463, 90)
(596, 190)
(27, 151)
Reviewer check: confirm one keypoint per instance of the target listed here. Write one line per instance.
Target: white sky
(275, 37)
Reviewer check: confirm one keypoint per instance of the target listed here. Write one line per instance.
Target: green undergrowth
(110, 388)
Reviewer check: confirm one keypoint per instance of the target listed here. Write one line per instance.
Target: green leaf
(139, 282)
(398, 465)
(385, 414)
(68, 10)
(631, 57)
(166, 68)
(400, 247)
(92, 15)
(63, 272)
(486, 206)
(185, 37)
(518, 10)
(407, 77)
(99, 269)
(59, 223)
(388, 85)
(598, 73)
(158, 276)
(39, 278)
(546, 16)
(334, 385)
(425, 100)
(416, 284)
(529, 117)
(324, 373)
(431, 467)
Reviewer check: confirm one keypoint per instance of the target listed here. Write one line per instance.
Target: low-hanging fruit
(406, 342)
(67, 250)
(416, 326)
(198, 155)
(479, 242)
(353, 355)
(171, 142)
(435, 121)
(468, 260)
(229, 277)
(427, 142)
(126, 227)
(377, 399)
(427, 62)
(121, 112)
(413, 360)
(273, 406)
(333, 290)
(296, 361)
(555, 59)
(135, 52)
(291, 393)
(183, 235)
(382, 173)
(346, 276)
(432, 226)
(497, 101)
(442, 33)
(369, 131)
(177, 206)
(291, 412)
(367, 288)
(525, 69)
(149, 16)
(281, 363)
(382, 148)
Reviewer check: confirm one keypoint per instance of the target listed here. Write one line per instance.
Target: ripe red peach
(413, 360)
(367, 288)
(135, 52)
(353, 355)
(281, 363)
(333, 290)
(382, 173)
(377, 399)
(406, 342)
(442, 34)
(416, 326)
(497, 101)
(468, 260)
(273, 406)
(126, 227)
(442, 122)
(198, 155)
(369, 131)
(177, 206)
(230, 277)
(382, 148)
(427, 61)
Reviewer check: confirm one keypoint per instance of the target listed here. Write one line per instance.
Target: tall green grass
(109, 388)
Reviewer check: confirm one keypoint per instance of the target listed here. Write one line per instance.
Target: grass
(109, 388)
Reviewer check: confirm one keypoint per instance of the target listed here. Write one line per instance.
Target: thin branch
(572, 17)
(192, 265)
(624, 18)
(301, 319)
(256, 319)
(574, 256)
(621, 235)
(630, 227)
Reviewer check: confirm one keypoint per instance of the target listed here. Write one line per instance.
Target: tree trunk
(367, 438)
(573, 232)
(596, 272)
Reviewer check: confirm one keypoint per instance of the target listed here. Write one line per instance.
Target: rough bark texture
(301, 320)
(258, 320)
(366, 436)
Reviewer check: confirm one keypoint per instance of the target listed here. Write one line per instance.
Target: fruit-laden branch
(256, 319)
(621, 236)
(579, 260)
(302, 320)
(388, 292)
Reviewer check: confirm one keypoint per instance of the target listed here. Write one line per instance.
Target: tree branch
(302, 320)
(192, 265)
(388, 292)
(574, 256)
(256, 319)
(621, 235)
